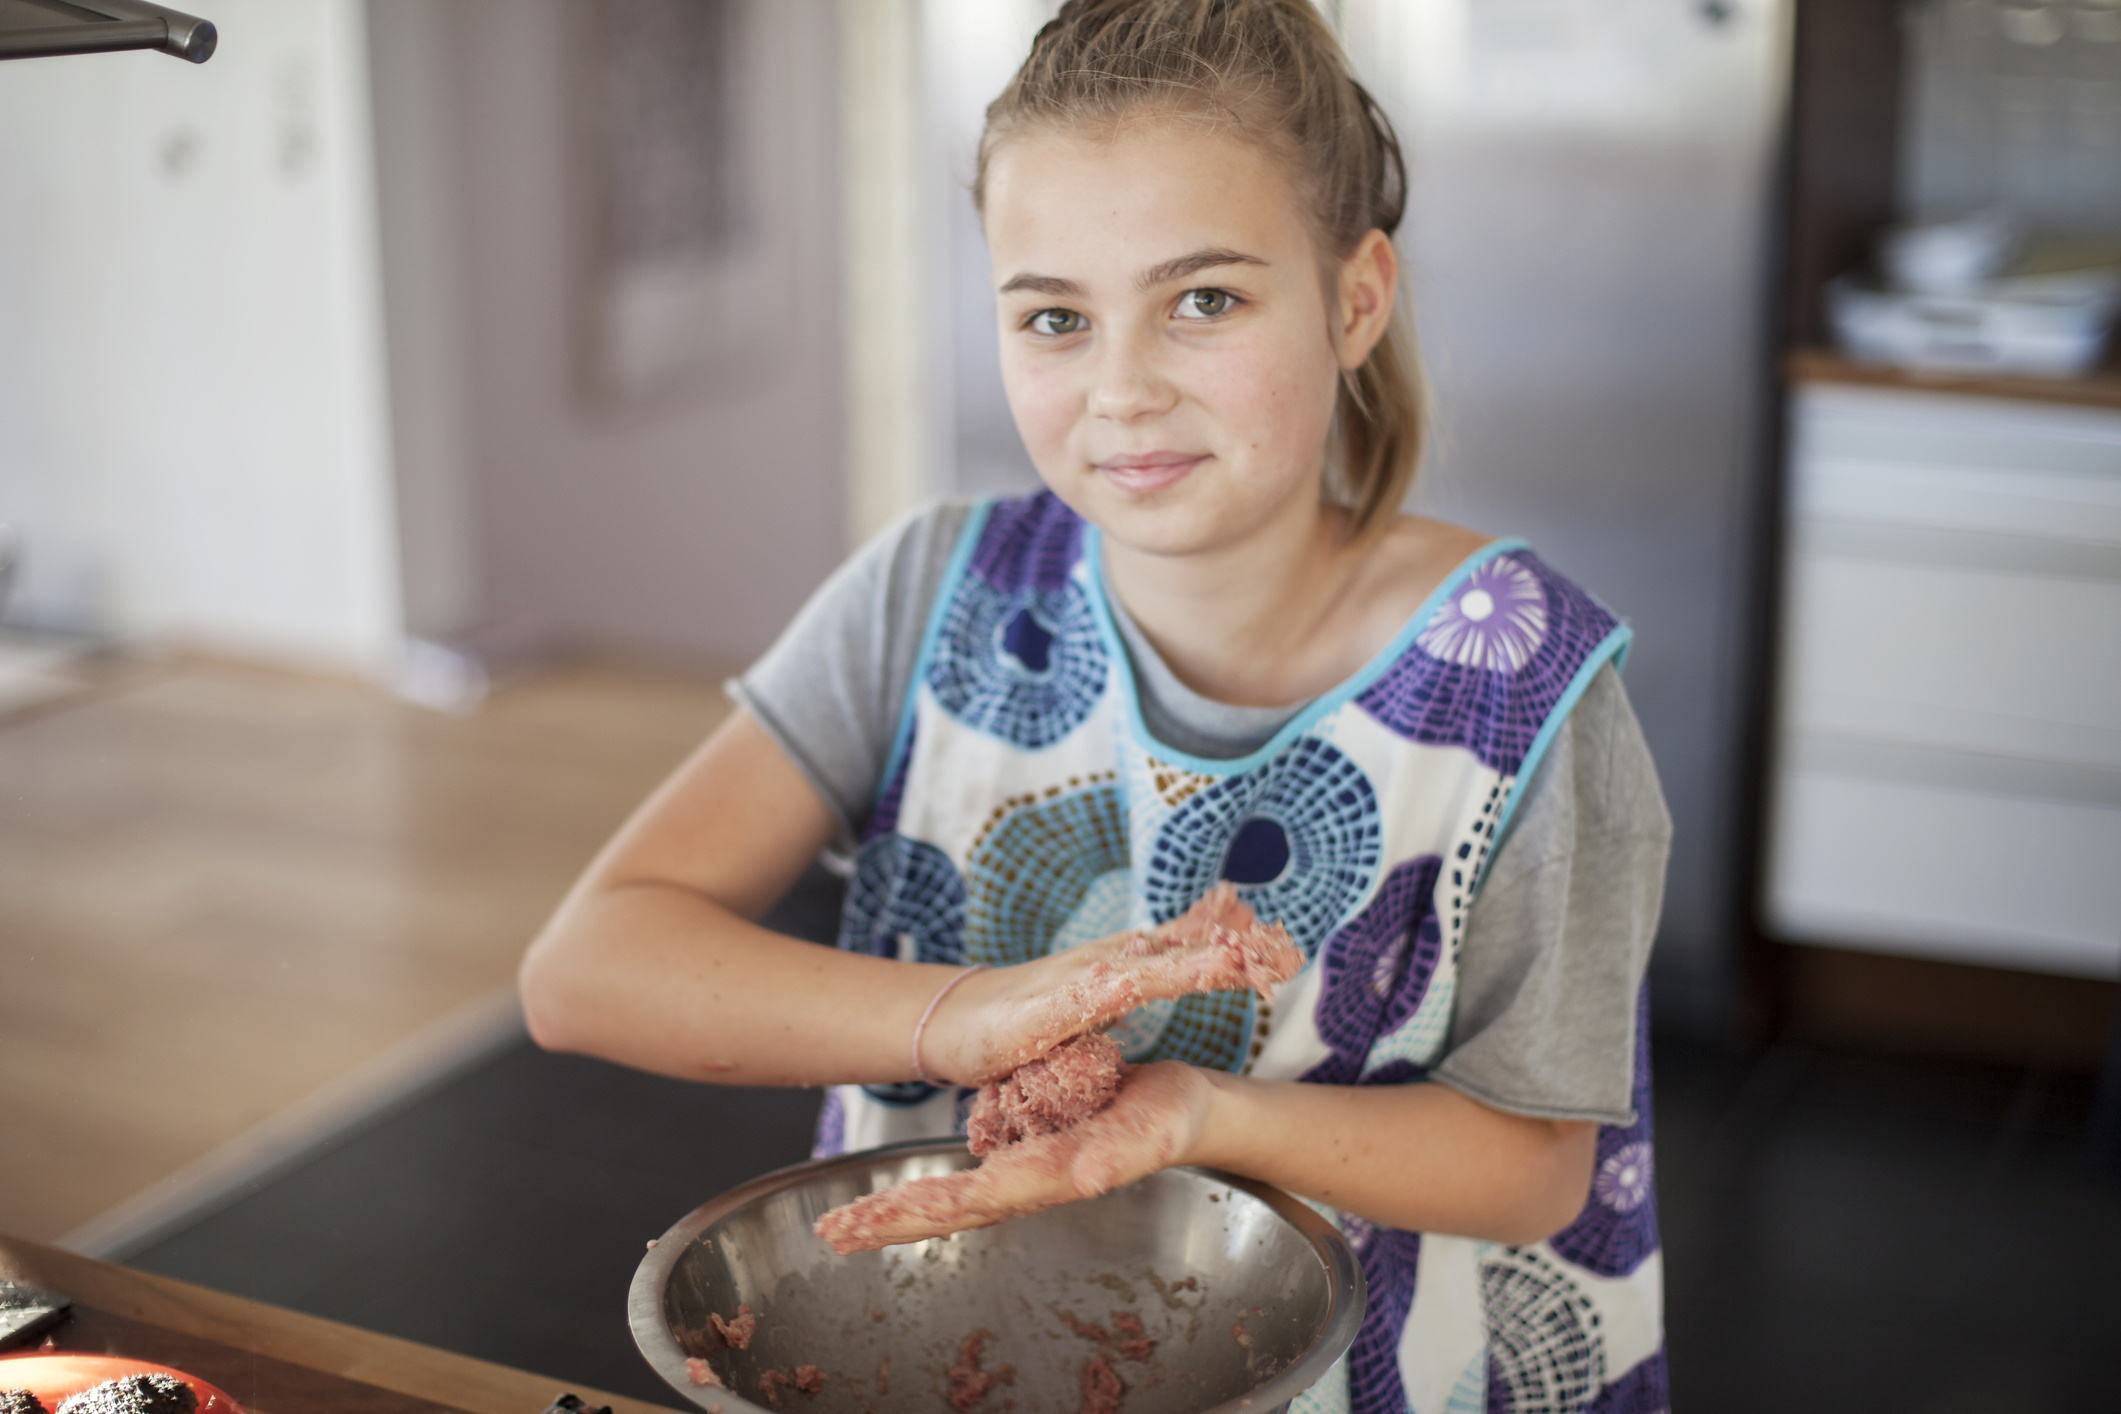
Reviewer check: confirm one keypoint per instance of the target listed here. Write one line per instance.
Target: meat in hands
(1021, 1123)
(1217, 945)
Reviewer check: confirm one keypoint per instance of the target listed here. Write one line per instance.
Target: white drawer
(1962, 875)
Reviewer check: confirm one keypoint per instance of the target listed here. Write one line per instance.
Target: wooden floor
(222, 888)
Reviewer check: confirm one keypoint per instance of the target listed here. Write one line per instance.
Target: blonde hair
(1273, 71)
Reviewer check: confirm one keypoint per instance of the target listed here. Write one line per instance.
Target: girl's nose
(1127, 383)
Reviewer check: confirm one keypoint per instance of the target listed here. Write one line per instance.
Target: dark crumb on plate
(154, 1393)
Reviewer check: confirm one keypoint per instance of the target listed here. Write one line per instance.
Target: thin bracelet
(933, 1003)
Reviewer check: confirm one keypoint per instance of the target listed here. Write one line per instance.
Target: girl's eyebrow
(1051, 285)
(1179, 268)
(1184, 266)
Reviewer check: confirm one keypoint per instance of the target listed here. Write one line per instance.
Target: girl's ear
(1368, 279)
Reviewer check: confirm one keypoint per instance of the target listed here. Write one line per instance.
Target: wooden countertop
(272, 1360)
(2101, 389)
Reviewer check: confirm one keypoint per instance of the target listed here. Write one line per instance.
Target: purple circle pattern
(1605, 1237)
(1496, 619)
(1377, 969)
(1441, 702)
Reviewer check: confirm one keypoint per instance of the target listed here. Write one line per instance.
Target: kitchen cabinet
(1946, 750)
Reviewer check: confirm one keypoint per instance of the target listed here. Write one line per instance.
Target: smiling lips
(1150, 471)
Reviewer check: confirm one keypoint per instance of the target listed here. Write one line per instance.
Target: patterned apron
(1026, 808)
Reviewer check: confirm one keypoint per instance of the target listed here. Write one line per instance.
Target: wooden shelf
(2100, 390)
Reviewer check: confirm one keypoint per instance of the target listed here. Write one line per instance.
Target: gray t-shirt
(1554, 948)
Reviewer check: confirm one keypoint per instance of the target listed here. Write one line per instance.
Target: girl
(1212, 648)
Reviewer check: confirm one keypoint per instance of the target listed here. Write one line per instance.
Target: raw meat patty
(1059, 1090)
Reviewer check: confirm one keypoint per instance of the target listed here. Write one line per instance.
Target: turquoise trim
(1612, 648)
(1319, 709)
(953, 575)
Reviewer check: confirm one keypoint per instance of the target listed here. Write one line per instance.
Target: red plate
(53, 1378)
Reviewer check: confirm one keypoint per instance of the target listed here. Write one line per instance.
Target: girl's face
(1168, 345)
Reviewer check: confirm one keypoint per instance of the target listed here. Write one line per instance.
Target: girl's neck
(1260, 622)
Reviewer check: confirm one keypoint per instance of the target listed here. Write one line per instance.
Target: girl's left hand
(1154, 1122)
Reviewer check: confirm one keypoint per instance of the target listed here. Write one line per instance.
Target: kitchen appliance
(1195, 1254)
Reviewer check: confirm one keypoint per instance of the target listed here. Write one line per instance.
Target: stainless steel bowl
(1253, 1255)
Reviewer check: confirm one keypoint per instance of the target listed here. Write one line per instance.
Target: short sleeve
(831, 688)
(1557, 942)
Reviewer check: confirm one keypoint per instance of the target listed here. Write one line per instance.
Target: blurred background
(410, 416)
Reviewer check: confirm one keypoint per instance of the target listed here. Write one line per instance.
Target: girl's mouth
(1151, 471)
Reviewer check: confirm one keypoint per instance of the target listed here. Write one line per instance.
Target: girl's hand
(993, 1022)
(1153, 1123)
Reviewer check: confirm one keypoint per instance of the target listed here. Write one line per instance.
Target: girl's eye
(1205, 304)
(1056, 321)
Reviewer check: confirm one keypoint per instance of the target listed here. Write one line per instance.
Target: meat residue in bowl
(969, 1383)
(736, 1334)
(700, 1372)
(1101, 1387)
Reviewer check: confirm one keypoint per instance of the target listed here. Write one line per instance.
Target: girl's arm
(1421, 1157)
(653, 961)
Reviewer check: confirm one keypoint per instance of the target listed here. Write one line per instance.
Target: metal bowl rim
(1347, 1292)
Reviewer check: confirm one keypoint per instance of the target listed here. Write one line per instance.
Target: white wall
(192, 420)
(691, 526)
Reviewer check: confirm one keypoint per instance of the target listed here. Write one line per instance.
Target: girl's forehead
(1134, 197)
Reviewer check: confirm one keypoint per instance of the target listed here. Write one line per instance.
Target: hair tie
(933, 1003)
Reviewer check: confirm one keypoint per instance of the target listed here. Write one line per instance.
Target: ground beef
(770, 1387)
(154, 1393)
(1218, 945)
(1059, 1090)
(1101, 1388)
(20, 1401)
(1085, 1329)
(1134, 1342)
(883, 1375)
(968, 1382)
(700, 1372)
(1237, 1333)
(736, 1334)
(809, 1379)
